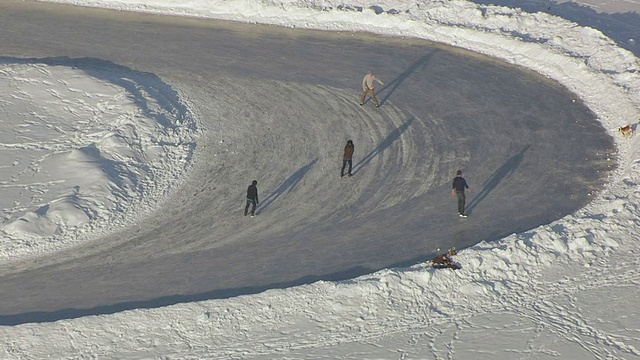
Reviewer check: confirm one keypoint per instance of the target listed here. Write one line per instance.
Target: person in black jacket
(458, 188)
(252, 198)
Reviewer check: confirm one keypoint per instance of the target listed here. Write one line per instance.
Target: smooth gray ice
(277, 105)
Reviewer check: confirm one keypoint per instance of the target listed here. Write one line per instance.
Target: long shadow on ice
(386, 142)
(286, 186)
(392, 85)
(503, 172)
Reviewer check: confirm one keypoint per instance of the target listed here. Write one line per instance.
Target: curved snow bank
(88, 143)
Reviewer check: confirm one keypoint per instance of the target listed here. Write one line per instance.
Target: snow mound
(86, 145)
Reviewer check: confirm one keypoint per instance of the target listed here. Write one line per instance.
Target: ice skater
(252, 198)
(347, 157)
(367, 88)
(458, 188)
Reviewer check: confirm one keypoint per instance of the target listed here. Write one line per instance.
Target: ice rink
(277, 105)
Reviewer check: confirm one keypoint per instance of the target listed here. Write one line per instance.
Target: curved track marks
(278, 105)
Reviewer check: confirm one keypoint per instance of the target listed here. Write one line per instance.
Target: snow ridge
(128, 133)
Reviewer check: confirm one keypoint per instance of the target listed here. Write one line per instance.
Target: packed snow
(563, 290)
(84, 149)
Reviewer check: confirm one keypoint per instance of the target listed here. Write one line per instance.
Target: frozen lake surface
(277, 105)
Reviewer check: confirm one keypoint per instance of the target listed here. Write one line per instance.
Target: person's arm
(378, 80)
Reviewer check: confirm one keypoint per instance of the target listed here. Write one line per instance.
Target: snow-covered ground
(121, 139)
(563, 290)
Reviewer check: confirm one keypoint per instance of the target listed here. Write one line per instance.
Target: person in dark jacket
(458, 188)
(347, 158)
(252, 198)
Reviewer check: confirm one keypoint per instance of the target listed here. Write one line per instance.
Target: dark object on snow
(348, 156)
(444, 261)
(252, 198)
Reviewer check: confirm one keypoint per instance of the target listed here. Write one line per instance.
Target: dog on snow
(445, 261)
(626, 131)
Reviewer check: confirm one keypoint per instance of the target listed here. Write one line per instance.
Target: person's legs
(363, 96)
(253, 208)
(349, 161)
(344, 164)
(246, 207)
(373, 97)
(461, 201)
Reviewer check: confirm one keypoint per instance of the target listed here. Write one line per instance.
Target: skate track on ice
(277, 105)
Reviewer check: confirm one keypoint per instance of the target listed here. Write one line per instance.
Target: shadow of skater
(393, 136)
(504, 171)
(392, 85)
(286, 186)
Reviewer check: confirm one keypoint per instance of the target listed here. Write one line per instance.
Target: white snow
(564, 290)
(79, 153)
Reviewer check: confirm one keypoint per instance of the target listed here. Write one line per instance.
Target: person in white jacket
(367, 88)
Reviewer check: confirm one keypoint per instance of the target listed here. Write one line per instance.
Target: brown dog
(626, 131)
(445, 261)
